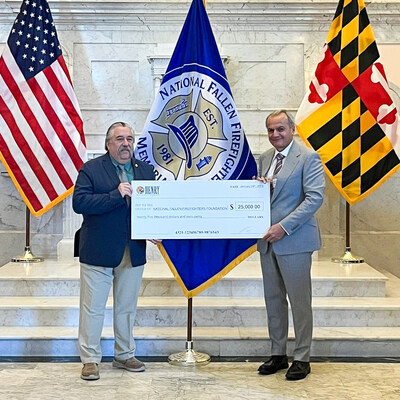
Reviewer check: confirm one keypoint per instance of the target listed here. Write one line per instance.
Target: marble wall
(117, 50)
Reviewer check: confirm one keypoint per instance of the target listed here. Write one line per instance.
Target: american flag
(42, 144)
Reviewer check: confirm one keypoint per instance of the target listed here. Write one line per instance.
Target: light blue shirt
(284, 152)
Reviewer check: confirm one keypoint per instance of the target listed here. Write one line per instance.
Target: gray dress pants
(288, 275)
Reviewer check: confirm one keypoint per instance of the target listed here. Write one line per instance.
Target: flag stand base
(348, 258)
(189, 357)
(27, 257)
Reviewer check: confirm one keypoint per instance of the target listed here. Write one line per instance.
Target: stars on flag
(34, 25)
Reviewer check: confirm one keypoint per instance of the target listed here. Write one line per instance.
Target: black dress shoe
(298, 370)
(273, 364)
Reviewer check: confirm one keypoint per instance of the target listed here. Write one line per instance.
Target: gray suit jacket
(298, 194)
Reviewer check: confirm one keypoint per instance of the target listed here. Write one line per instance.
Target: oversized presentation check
(200, 209)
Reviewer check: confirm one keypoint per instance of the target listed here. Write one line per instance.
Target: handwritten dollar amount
(245, 206)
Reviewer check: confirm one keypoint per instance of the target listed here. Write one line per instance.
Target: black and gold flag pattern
(347, 114)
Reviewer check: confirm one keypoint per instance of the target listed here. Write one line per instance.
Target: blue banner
(193, 132)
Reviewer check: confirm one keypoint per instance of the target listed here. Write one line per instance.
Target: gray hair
(289, 116)
(110, 131)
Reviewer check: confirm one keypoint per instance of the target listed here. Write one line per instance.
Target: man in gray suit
(297, 181)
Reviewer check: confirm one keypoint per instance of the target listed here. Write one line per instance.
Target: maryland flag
(347, 115)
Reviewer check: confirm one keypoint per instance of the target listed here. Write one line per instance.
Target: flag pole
(189, 357)
(27, 256)
(348, 257)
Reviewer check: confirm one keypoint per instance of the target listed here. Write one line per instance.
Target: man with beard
(106, 252)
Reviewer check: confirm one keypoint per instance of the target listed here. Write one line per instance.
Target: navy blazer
(106, 227)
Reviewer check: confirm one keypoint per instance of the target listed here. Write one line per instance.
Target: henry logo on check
(188, 131)
(152, 190)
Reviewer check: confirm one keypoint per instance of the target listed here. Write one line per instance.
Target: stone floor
(215, 381)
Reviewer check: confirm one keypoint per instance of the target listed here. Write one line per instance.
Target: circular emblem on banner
(193, 130)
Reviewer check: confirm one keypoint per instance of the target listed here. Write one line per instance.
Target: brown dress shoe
(90, 372)
(131, 364)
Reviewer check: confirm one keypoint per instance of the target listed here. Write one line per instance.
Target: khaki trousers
(95, 287)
